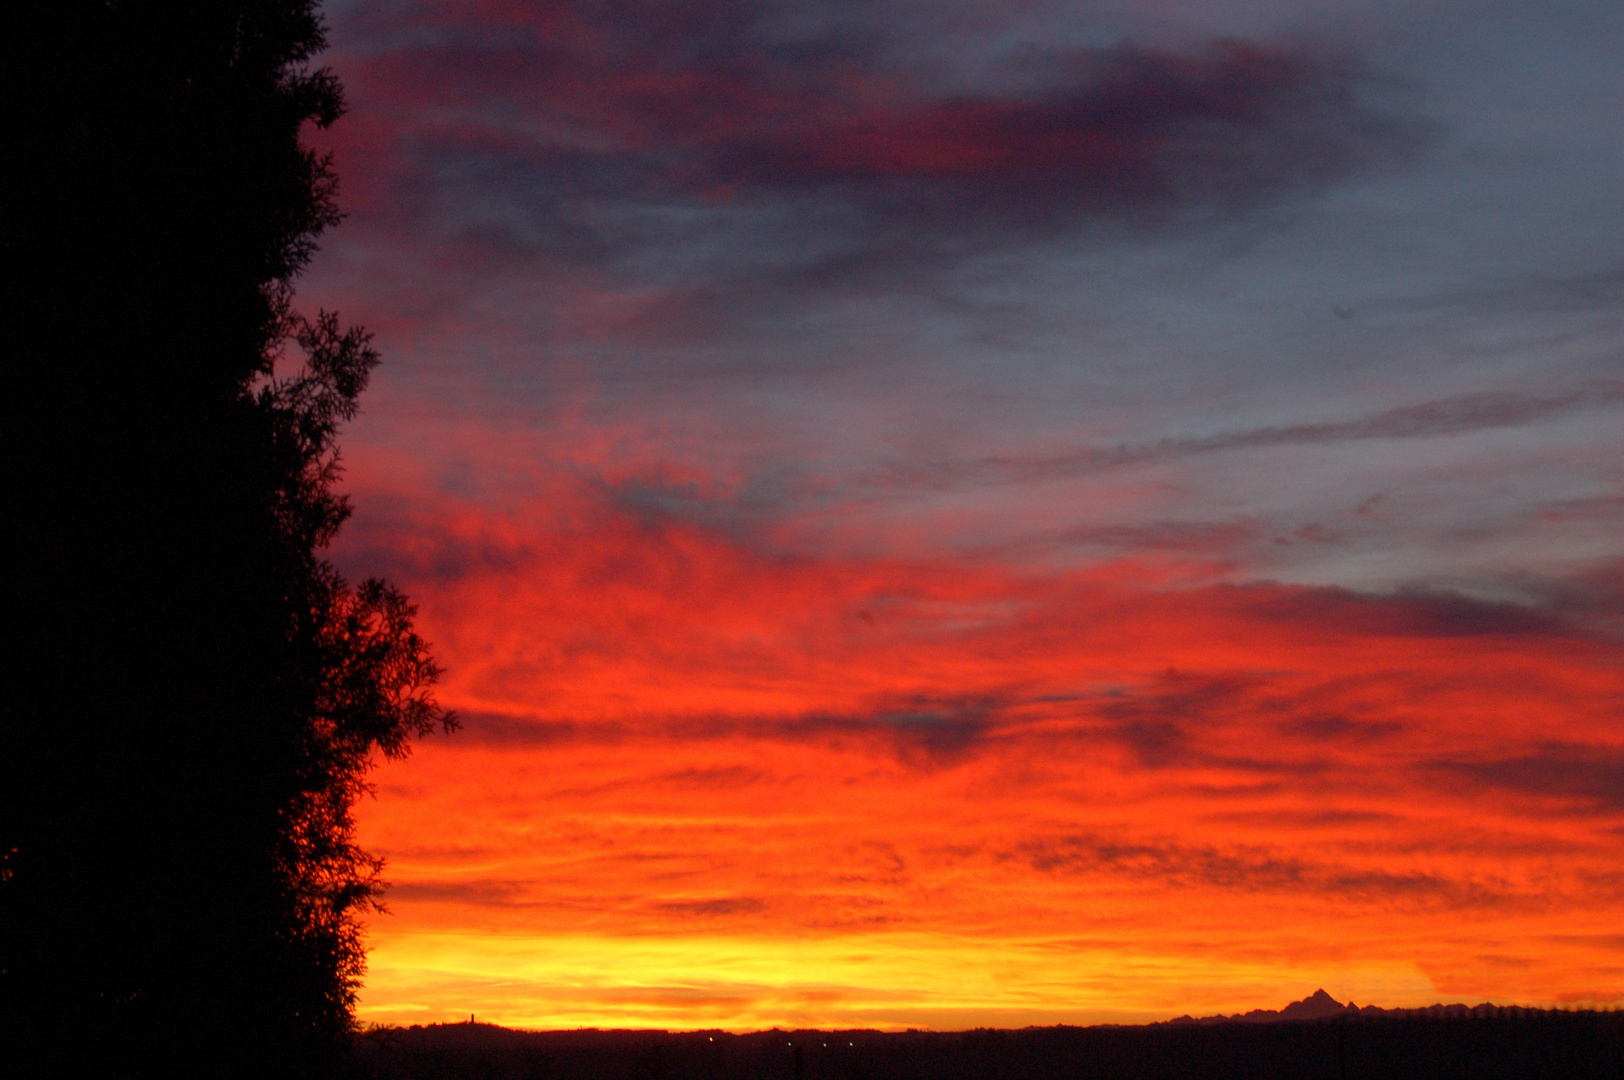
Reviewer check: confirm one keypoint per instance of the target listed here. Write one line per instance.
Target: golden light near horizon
(883, 982)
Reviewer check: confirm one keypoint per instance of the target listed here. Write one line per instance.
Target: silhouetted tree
(192, 695)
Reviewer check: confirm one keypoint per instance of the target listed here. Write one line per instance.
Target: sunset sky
(943, 514)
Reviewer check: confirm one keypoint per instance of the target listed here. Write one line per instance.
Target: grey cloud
(1333, 728)
(773, 147)
(1248, 869)
(721, 778)
(717, 907)
(1156, 724)
(502, 729)
(1422, 614)
(923, 731)
(482, 893)
(1460, 415)
(1161, 535)
(1587, 778)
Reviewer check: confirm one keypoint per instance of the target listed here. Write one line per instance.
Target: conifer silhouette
(192, 695)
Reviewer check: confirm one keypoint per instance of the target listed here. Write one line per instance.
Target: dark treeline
(190, 694)
(1529, 1046)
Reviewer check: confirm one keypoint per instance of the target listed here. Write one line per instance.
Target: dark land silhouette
(1443, 1042)
(191, 694)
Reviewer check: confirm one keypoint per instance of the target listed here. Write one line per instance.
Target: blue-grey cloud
(1459, 415)
(792, 145)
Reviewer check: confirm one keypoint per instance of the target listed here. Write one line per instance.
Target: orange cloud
(711, 780)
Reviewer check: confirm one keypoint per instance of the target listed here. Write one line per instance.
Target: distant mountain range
(1322, 1006)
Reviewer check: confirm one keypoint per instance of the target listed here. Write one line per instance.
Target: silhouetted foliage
(192, 695)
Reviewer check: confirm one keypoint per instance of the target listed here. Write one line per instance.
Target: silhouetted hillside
(1436, 1044)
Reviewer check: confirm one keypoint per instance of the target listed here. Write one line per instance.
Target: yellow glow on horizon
(883, 981)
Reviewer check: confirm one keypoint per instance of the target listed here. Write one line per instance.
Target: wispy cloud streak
(1460, 415)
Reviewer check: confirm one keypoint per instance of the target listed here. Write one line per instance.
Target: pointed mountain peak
(1312, 1007)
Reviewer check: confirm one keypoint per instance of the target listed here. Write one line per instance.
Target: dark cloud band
(790, 135)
